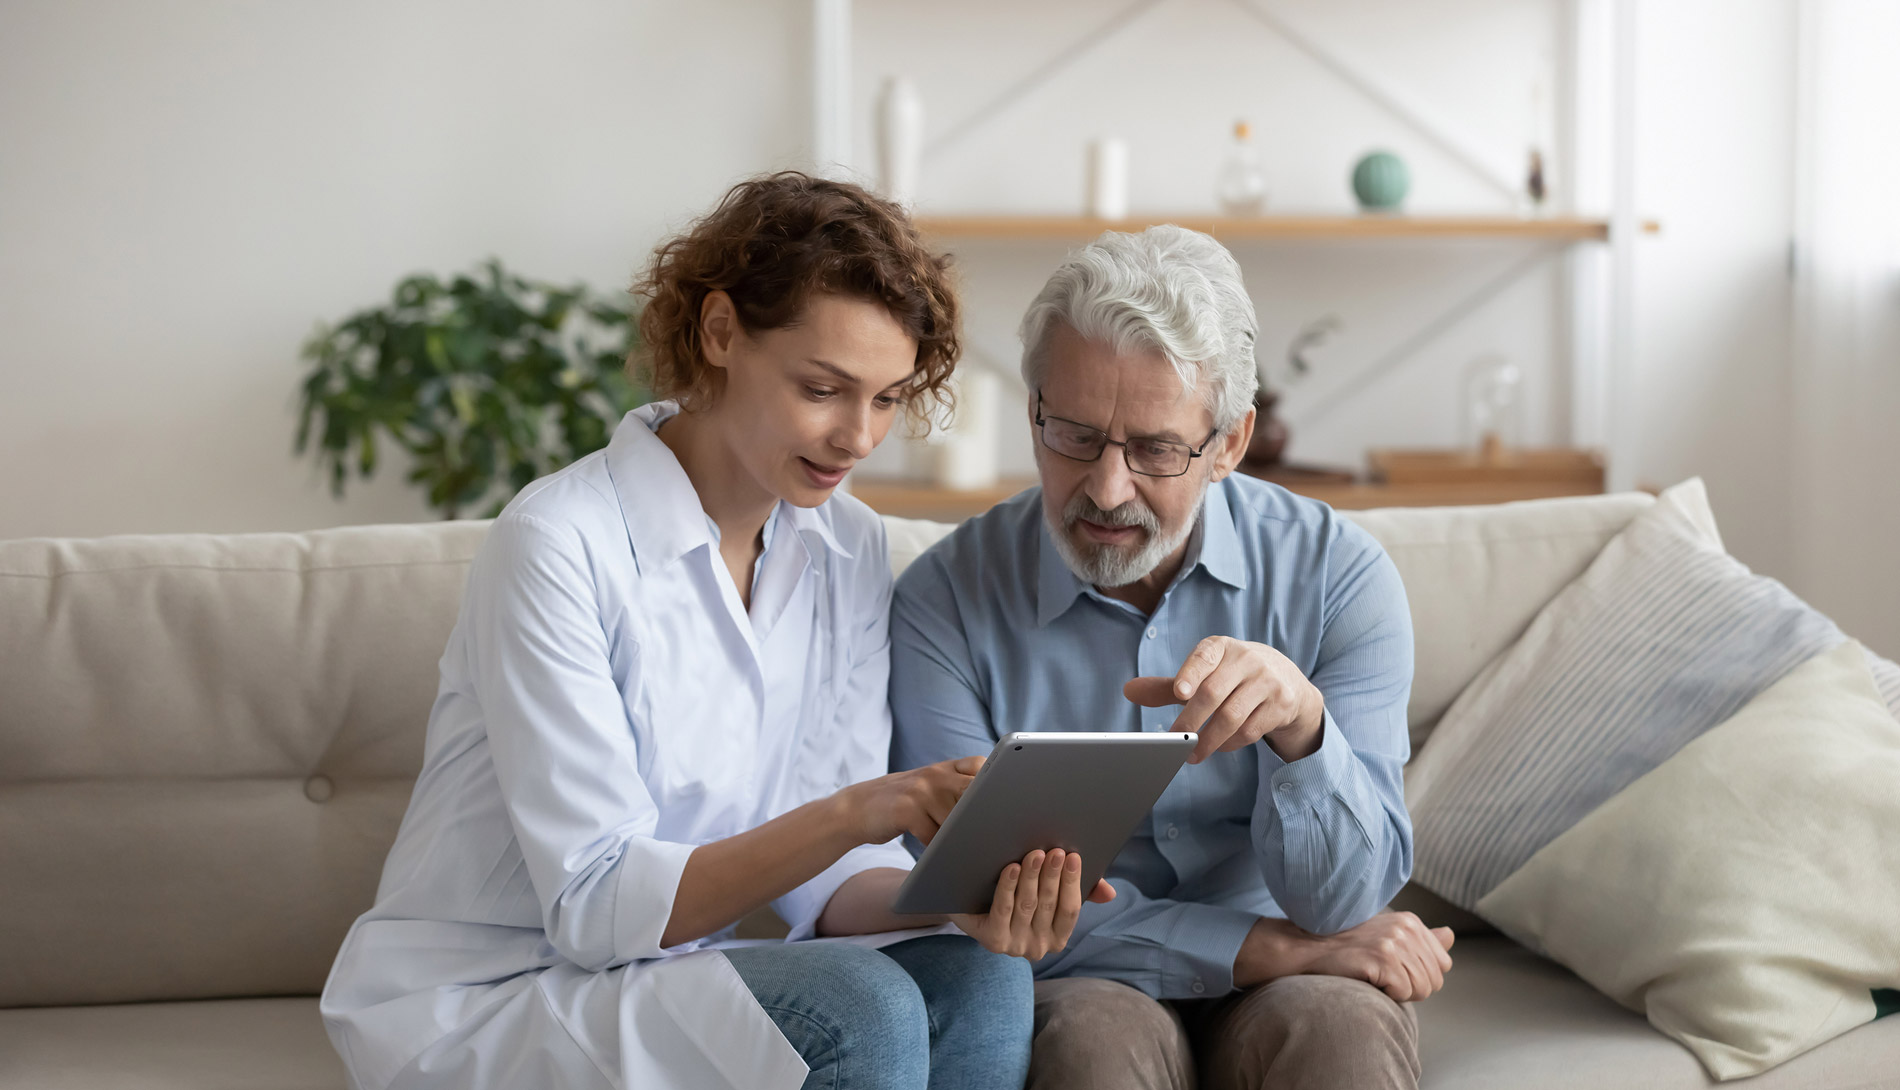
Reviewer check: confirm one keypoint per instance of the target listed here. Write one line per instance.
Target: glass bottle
(1494, 408)
(1241, 187)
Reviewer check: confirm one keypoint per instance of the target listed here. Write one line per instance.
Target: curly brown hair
(772, 243)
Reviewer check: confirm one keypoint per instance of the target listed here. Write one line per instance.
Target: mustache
(1132, 513)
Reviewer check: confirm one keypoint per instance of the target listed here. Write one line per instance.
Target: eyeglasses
(1147, 455)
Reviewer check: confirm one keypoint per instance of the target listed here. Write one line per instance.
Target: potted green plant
(487, 381)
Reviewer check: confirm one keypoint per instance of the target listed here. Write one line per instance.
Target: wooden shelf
(1286, 228)
(1556, 466)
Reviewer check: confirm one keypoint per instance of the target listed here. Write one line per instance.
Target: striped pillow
(1662, 638)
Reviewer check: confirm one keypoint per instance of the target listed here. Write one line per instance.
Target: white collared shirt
(606, 705)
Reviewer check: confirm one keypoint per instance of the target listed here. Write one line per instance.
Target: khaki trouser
(1309, 1032)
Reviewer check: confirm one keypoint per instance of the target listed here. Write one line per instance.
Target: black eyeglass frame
(1106, 442)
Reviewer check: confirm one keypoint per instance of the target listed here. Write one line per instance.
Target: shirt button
(1173, 832)
(1198, 986)
(1153, 632)
(1284, 786)
(318, 788)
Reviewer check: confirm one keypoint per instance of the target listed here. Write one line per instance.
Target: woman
(663, 706)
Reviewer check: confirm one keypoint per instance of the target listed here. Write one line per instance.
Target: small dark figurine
(1534, 180)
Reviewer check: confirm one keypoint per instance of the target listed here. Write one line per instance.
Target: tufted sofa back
(207, 742)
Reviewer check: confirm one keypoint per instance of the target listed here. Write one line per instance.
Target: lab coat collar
(1214, 546)
(665, 519)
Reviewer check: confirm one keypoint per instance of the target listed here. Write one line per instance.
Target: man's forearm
(1271, 950)
(1303, 736)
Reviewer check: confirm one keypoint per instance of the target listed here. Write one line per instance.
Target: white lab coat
(606, 704)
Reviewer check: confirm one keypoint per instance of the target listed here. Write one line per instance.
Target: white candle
(1108, 179)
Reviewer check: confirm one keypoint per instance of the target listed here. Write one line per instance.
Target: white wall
(185, 188)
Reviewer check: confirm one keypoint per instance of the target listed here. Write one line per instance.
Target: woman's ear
(718, 328)
(1233, 446)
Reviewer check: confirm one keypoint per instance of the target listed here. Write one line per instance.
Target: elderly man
(1246, 946)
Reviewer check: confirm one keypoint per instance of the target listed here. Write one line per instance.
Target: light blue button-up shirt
(991, 633)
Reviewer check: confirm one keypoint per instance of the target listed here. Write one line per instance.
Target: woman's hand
(914, 802)
(1035, 907)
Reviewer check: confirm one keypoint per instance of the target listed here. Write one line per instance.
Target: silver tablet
(1078, 792)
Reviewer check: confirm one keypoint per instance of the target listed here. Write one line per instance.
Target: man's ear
(1231, 446)
(718, 328)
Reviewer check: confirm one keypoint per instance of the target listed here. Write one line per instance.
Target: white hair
(1167, 289)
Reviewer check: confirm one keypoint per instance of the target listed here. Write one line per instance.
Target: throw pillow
(1740, 894)
(1662, 637)
(1660, 640)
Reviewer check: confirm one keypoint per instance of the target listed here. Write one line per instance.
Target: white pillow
(1741, 894)
(1663, 637)
(1588, 795)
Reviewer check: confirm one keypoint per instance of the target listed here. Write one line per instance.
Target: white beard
(1115, 565)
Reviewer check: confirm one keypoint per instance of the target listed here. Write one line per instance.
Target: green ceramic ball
(1380, 181)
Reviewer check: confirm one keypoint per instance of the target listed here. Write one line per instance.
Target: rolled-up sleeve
(1331, 830)
(861, 735)
(564, 753)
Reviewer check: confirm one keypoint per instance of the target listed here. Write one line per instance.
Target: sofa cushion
(205, 746)
(1661, 639)
(1509, 1020)
(232, 1044)
(1476, 576)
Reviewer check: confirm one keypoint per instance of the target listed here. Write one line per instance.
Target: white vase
(900, 140)
(1108, 179)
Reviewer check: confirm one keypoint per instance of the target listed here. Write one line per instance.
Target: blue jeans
(938, 1012)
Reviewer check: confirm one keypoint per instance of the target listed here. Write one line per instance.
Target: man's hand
(1238, 693)
(1035, 907)
(914, 802)
(1393, 952)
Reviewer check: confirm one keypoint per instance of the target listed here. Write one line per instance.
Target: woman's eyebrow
(848, 376)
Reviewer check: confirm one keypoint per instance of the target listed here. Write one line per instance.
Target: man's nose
(1110, 482)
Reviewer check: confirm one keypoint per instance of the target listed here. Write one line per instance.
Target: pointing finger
(1200, 662)
(1151, 692)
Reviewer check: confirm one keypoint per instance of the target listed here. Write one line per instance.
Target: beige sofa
(206, 743)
